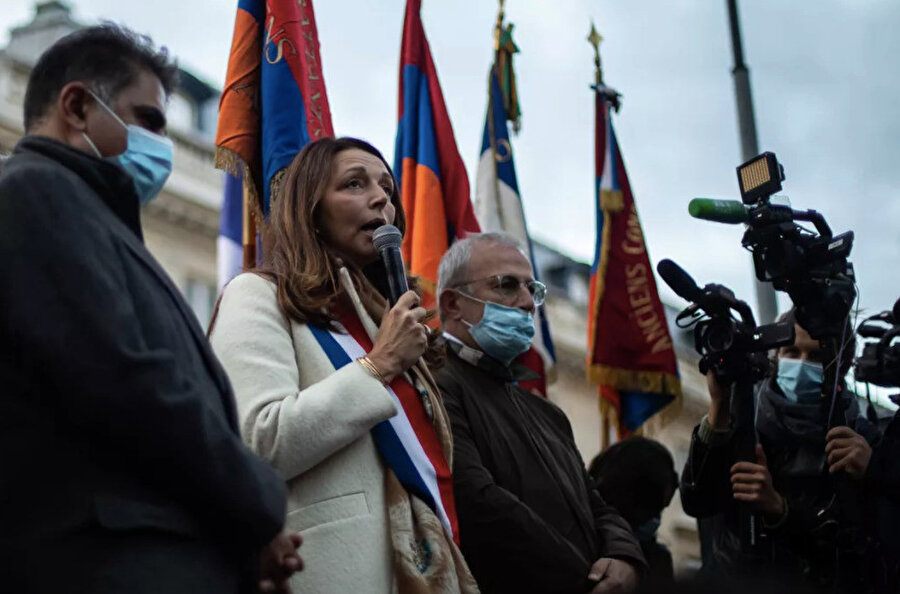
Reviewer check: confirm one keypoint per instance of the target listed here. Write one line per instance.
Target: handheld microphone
(680, 281)
(387, 240)
(731, 212)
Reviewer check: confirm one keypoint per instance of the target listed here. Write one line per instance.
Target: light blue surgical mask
(647, 530)
(504, 332)
(147, 157)
(801, 381)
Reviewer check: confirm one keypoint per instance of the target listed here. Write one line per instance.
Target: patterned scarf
(417, 448)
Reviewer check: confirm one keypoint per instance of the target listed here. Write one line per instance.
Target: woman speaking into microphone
(332, 387)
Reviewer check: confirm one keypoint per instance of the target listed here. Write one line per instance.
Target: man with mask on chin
(812, 522)
(530, 519)
(121, 465)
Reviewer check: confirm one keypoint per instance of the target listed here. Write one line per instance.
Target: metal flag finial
(611, 95)
(504, 49)
(594, 38)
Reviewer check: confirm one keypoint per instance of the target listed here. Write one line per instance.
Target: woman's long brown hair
(298, 259)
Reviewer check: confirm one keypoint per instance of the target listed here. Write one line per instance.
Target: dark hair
(636, 476)
(106, 57)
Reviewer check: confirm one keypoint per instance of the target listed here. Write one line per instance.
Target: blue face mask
(647, 530)
(147, 157)
(504, 332)
(801, 381)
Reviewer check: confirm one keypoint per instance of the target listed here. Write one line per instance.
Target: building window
(201, 296)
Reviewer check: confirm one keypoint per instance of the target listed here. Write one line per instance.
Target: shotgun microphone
(731, 212)
(679, 280)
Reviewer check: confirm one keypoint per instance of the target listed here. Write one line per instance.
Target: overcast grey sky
(824, 78)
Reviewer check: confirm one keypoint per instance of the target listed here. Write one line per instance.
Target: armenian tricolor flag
(498, 205)
(630, 350)
(433, 181)
(273, 104)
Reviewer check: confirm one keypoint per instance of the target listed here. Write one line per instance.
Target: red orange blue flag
(630, 350)
(433, 182)
(273, 104)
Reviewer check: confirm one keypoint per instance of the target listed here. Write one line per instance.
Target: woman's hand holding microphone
(402, 338)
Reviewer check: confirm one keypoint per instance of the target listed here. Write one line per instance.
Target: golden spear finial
(611, 95)
(594, 38)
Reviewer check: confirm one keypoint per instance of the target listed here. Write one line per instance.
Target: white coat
(312, 424)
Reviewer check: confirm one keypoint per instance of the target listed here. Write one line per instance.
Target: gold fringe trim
(662, 417)
(228, 160)
(629, 380)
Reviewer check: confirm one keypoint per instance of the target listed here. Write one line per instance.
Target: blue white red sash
(407, 442)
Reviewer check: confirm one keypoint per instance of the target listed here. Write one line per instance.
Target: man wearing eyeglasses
(529, 517)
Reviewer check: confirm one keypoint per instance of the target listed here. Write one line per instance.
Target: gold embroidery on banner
(273, 38)
(313, 70)
(502, 156)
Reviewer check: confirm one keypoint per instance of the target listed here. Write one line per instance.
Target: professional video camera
(733, 348)
(879, 362)
(812, 268)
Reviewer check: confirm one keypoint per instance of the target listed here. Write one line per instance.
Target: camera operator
(803, 518)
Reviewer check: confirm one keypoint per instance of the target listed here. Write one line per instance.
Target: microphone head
(386, 237)
(719, 211)
(680, 281)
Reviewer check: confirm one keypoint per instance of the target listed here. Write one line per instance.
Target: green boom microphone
(719, 211)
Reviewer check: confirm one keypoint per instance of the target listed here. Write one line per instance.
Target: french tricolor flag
(499, 208)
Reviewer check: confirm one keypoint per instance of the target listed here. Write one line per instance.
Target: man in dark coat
(813, 523)
(529, 517)
(121, 465)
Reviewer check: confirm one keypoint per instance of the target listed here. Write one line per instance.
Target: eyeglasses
(508, 286)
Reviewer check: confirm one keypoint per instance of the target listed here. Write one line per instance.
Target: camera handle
(744, 408)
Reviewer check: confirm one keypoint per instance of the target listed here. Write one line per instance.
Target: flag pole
(594, 38)
(249, 227)
(610, 94)
(498, 32)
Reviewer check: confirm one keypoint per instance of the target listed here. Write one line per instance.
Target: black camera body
(812, 268)
(879, 362)
(726, 336)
